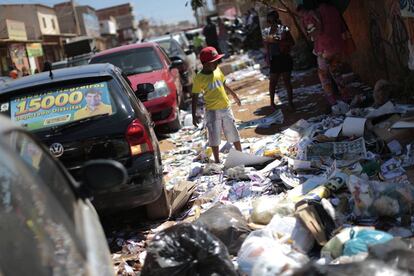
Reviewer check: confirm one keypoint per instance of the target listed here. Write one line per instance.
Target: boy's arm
(234, 95)
(194, 99)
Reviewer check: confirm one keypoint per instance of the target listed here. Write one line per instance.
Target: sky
(167, 11)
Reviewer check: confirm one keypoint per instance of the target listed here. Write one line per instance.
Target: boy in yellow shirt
(219, 116)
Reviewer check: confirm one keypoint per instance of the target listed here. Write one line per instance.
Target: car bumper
(163, 110)
(143, 187)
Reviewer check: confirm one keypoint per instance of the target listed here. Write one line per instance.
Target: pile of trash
(331, 194)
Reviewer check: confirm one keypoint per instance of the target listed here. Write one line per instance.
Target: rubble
(315, 197)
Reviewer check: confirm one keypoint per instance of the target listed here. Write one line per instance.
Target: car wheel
(176, 124)
(159, 209)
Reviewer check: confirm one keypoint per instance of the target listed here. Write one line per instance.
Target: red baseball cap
(209, 54)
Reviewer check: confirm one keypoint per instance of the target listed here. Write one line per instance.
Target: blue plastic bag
(360, 241)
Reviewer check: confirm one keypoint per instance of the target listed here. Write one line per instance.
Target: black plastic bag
(227, 223)
(396, 252)
(187, 249)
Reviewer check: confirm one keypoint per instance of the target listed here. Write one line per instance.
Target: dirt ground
(255, 88)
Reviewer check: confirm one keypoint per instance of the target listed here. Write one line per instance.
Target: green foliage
(195, 4)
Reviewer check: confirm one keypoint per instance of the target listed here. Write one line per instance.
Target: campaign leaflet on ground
(60, 106)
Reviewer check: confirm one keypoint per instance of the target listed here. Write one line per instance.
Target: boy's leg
(336, 69)
(237, 145)
(274, 79)
(214, 132)
(230, 129)
(326, 81)
(288, 84)
(216, 154)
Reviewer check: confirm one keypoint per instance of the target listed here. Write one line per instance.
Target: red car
(154, 78)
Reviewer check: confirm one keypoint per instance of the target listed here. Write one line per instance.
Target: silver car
(47, 224)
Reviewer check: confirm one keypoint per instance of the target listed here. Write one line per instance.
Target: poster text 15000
(35, 103)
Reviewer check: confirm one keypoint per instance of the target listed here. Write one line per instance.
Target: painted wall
(48, 21)
(23, 13)
(382, 36)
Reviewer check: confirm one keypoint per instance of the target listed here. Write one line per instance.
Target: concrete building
(108, 32)
(125, 20)
(81, 20)
(30, 35)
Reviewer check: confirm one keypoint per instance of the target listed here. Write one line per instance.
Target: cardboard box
(385, 132)
(180, 195)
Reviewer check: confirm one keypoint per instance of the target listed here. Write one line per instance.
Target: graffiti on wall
(407, 8)
(389, 36)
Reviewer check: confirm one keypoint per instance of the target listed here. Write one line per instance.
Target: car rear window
(134, 61)
(61, 105)
(172, 48)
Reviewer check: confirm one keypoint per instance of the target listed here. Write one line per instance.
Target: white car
(185, 45)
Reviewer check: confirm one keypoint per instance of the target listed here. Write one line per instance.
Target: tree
(195, 4)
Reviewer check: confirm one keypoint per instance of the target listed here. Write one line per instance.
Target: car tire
(175, 125)
(159, 209)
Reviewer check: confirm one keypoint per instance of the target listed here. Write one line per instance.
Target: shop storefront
(35, 55)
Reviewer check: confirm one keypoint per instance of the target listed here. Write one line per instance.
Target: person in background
(14, 74)
(253, 31)
(198, 43)
(310, 21)
(223, 37)
(219, 116)
(330, 46)
(210, 33)
(47, 66)
(279, 42)
(25, 71)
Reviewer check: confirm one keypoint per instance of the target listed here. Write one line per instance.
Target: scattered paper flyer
(354, 126)
(237, 158)
(352, 150)
(265, 122)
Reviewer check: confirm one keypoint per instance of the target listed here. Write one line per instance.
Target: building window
(44, 22)
(53, 24)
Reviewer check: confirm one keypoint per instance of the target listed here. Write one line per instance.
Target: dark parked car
(47, 226)
(90, 112)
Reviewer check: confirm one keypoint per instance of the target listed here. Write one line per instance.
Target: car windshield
(135, 61)
(171, 48)
(61, 105)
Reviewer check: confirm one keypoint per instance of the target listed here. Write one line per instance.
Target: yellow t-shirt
(212, 87)
(86, 112)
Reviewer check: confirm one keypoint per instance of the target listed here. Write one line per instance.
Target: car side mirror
(176, 62)
(189, 51)
(102, 174)
(145, 88)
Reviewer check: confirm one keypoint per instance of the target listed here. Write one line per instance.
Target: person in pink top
(330, 35)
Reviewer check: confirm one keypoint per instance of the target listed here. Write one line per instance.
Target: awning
(6, 40)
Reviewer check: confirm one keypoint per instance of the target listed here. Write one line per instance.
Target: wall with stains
(382, 34)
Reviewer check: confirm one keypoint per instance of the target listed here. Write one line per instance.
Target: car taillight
(138, 138)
